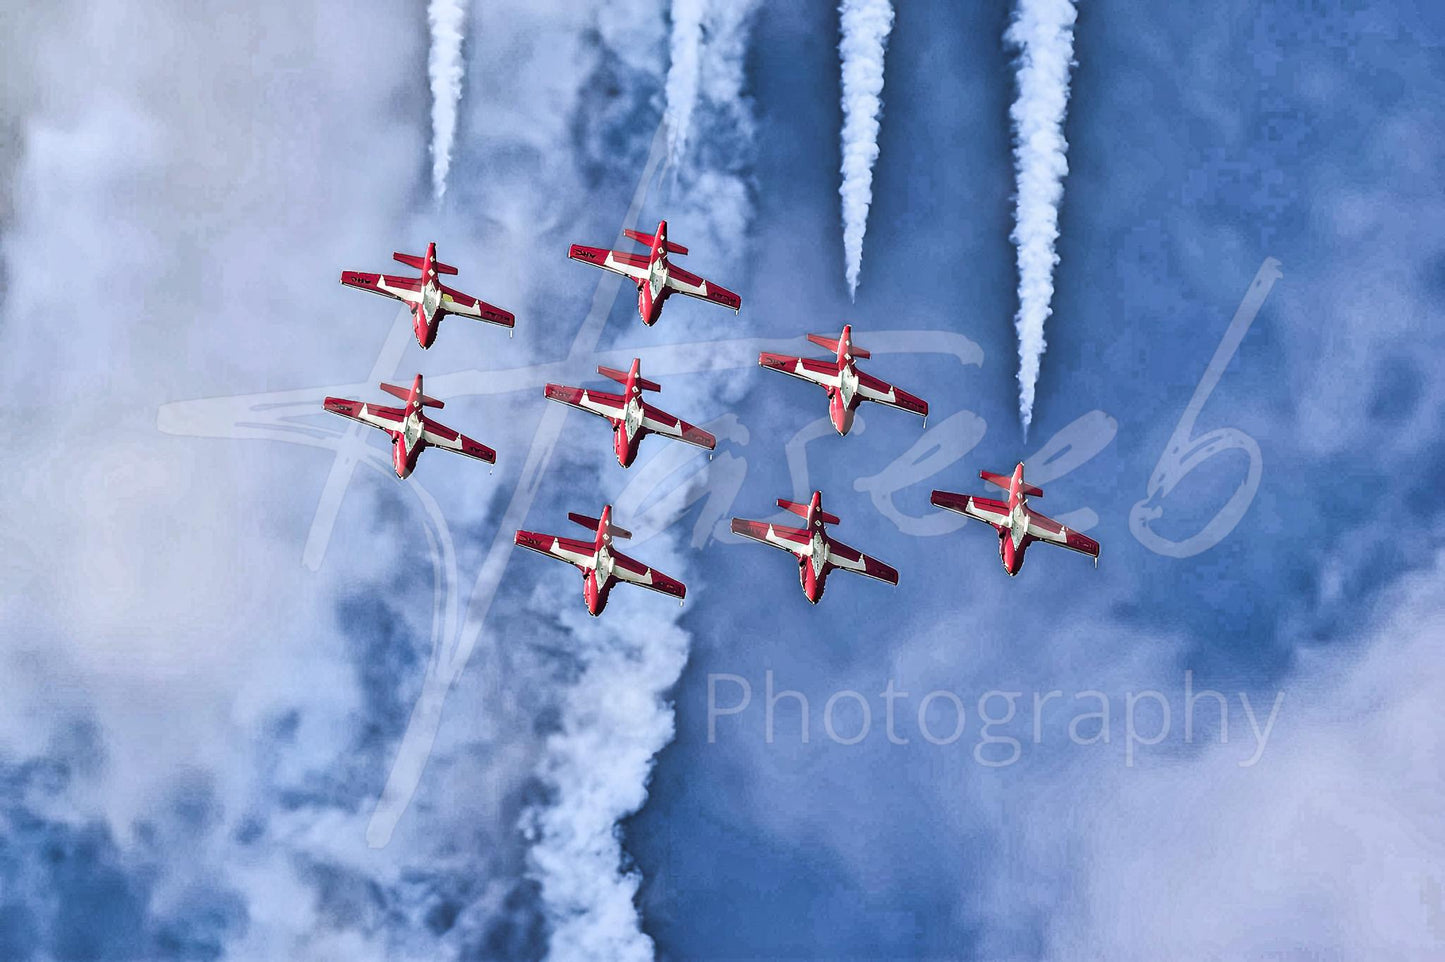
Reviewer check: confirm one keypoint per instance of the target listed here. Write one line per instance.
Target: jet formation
(632, 418)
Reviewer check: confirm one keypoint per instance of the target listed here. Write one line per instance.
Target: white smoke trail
(447, 19)
(682, 74)
(865, 27)
(616, 717)
(1043, 33)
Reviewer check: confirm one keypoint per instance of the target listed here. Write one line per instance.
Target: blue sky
(200, 727)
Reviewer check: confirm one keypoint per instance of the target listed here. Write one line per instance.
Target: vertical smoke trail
(682, 74)
(1043, 33)
(616, 716)
(444, 66)
(865, 27)
(614, 721)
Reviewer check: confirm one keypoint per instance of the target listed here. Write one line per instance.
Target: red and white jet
(411, 431)
(632, 418)
(817, 553)
(847, 386)
(428, 299)
(655, 276)
(1018, 525)
(601, 566)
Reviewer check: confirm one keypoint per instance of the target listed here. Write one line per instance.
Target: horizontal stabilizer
(411, 260)
(621, 378)
(802, 511)
(650, 239)
(831, 343)
(405, 394)
(591, 525)
(1003, 481)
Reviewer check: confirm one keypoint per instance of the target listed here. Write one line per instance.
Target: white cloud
(1331, 846)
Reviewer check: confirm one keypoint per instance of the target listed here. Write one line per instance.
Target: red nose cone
(596, 598)
(812, 581)
(1013, 558)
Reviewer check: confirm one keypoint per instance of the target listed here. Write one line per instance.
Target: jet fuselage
(654, 290)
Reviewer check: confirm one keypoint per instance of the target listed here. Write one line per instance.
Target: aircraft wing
(388, 419)
(636, 573)
(583, 554)
(660, 422)
(986, 510)
(871, 388)
(441, 436)
(593, 402)
(690, 284)
(851, 559)
(817, 371)
(465, 305)
(618, 262)
(406, 289)
(1047, 529)
(793, 540)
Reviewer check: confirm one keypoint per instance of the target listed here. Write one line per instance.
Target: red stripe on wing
(345, 408)
(901, 398)
(715, 293)
(660, 581)
(477, 449)
(1082, 543)
(563, 393)
(441, 430)
(488, 312)
(598, 256)
(872, 567)
(758, 530)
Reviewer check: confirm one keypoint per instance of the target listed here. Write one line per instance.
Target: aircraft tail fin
(405, 393)
(591, 524)
(650, 239)
(412, 260)
(1003, 481)
(621, 378)
(801, 510)
(831, 343)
